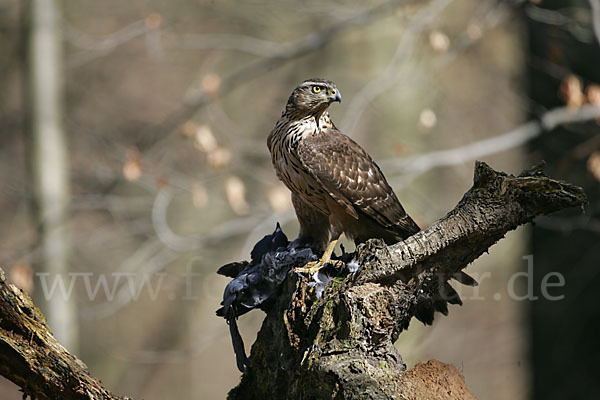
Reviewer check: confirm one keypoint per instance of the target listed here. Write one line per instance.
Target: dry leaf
(593, 94)
(439, 41)
(21, 275)
(188, 128)
(211, 83)
(132, 169)
(219, 158)
(279, 198)
(204, 140)
(236, 195)
(153, 21)
(399, 149)
(593, 164)
(427, 120)
(571, 91)
(162, 181)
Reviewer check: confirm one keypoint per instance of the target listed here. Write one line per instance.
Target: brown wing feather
(353, 179)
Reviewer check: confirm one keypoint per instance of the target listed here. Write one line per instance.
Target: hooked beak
(335, 95)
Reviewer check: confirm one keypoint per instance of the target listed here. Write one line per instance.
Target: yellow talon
(314, 266)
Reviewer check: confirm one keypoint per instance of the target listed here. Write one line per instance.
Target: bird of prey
(336, 186)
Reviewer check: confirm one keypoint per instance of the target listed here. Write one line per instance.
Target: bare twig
(242, 43)
(93, 48)
(391, 74)
(411, 167)
(289, 51)
(567, 18)
(180, 243)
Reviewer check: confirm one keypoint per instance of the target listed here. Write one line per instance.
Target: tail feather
(405, 228)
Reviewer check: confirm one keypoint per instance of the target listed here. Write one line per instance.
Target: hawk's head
(312, 97)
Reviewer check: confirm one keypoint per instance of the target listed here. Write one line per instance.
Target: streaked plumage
(336, 186)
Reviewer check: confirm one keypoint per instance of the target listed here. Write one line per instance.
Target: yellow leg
(315, 266)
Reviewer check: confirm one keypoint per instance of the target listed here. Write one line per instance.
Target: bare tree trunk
(49, 158)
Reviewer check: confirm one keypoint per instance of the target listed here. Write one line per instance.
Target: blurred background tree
(564, 68)
(166, 110)
(48, 158)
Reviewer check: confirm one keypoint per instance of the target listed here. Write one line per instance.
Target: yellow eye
(333, 91)
(316, 89)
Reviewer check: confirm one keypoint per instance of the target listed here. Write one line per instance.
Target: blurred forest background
(133, 142)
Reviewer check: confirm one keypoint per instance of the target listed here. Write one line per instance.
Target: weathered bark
(341, 346)
(31, 357)
(338, 346)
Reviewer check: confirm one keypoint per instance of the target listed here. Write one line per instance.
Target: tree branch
(32, 358)
(342, 345)
(339, 345)
(416, 165)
